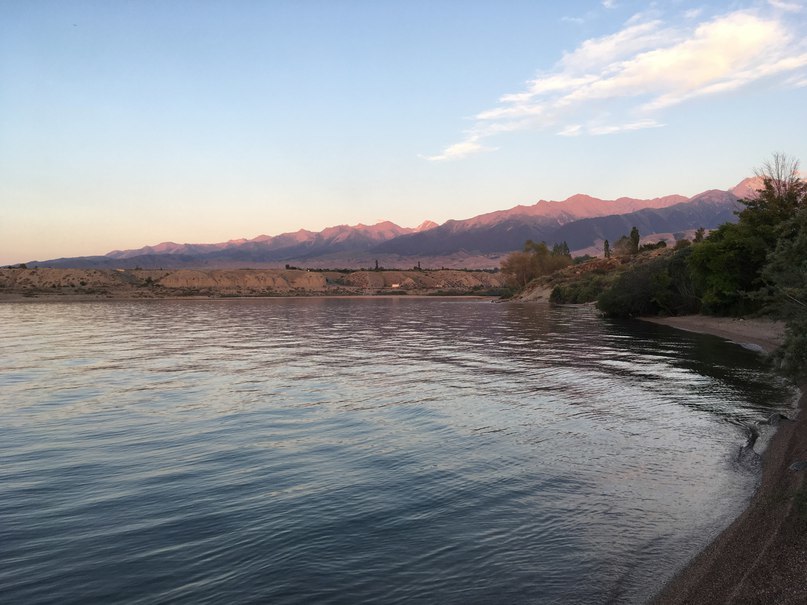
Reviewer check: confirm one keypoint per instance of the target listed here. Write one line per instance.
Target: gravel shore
(762, 556)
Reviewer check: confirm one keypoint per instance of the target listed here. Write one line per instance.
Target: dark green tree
(634, 241)
(727, 266)
(785, 276)
(561, 249)
(606, 249)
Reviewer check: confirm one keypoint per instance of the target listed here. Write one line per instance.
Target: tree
(622, 247)
(783, 193)
(728, 264)
(606, 249)
(699, 235)
(520, 268)
(561, 249)
(634, 241)
(627, 245)
(783, 188)
(786, 270)
(785, 276)
(539, 248)
(726, 268)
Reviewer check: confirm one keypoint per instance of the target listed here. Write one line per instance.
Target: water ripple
(388, 450)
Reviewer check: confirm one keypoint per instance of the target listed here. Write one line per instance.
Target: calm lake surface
(362, 451)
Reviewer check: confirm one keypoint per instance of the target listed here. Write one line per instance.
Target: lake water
(362, 451)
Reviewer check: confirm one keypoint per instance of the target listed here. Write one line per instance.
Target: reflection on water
(349, 451)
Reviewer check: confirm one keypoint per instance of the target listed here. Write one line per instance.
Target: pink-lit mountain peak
(378, 232)
(558, 213)
(576, 207)
(747, 188)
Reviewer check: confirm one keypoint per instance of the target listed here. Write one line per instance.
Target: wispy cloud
(459, 150)
(799, 81)
(790, 7)
(575, 20)
(611, 129)
(622, 81)
(572, 130)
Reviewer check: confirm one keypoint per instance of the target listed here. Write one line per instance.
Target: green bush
(578, 292)
(660, 286)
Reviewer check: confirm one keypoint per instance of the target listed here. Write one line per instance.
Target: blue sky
(124, 124)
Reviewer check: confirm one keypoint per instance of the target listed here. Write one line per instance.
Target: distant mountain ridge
(580, 220)
(340, 236)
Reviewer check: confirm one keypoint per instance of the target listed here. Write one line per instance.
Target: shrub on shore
(661, 285)
(580, 291)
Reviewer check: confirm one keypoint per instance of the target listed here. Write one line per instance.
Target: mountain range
(582, 221)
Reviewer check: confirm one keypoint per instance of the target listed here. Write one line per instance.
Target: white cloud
(609, 3)
(641, 70)
(799, 81)
(575, 20)
(598, 53)
(573, 130)
(460, 150)
(790, 7)
(612, 129)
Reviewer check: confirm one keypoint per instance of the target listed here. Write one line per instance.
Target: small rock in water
(748, 457)
(799, 466)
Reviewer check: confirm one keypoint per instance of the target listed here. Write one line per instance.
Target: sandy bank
(762, 556)
(763, 333)
(536, 294)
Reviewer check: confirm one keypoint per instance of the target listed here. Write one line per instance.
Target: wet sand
(762, 556)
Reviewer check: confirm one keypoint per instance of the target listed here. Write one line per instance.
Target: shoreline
(762, 556)
(99, 284)
(764, 335)
(93, 298)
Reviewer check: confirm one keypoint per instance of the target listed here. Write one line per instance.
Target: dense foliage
(785, 277)
(757, 265)
(580, 291)
(662, 285)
